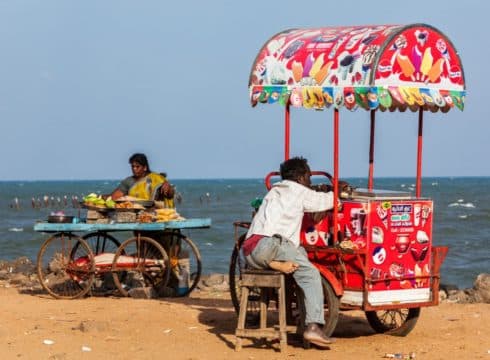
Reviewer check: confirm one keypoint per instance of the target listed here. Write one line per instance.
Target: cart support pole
(371, 152)
(419, 154)
(287, 126)
(335, 173)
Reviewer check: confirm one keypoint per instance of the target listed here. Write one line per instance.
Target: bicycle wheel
(140, 262)
(237, 264)
(101, 242)
(185, 264)
(63, 272)
(396, 322)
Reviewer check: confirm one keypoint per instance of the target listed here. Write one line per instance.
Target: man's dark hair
(140, 159)
(294, 168)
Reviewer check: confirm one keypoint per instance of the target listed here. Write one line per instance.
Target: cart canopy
(392, 67)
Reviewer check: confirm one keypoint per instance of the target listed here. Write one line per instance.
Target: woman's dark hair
(140, 159)
(294, 168)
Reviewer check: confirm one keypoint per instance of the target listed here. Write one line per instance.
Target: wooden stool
(263, 280)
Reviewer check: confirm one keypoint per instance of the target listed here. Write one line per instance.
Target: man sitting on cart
(273, 240)
(144, 184)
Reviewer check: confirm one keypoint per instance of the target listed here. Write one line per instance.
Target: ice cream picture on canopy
(385, 67)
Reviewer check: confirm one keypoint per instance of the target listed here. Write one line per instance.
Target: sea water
(461, 216)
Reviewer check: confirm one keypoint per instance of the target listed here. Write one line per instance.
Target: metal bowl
(60, 219)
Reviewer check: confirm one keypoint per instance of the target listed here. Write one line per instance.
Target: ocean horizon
(461, 215)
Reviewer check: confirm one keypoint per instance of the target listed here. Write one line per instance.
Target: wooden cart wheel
(140, 262)
(63, 272)
(397, 322)
(185, 263)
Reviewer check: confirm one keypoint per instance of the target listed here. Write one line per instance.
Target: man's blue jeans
(307, 276)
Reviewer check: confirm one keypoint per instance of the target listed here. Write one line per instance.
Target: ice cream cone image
(308, 65)
(317, 65)
(297, 68)
(416, 57)
(427, 61)
(406, 65)
(436, 70)
(321, 75)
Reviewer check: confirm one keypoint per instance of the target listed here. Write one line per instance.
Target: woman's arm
(116, 194)
(167, 190)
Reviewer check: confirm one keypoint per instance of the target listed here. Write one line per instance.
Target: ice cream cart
(375, 251)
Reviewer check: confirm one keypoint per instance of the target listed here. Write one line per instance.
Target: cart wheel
(331, 308)
(101, 242)
(397, 322)
(185, 264)
(140, 262)
(237, 264)
(63, 272)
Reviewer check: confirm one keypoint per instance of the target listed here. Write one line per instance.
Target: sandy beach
(36, 326)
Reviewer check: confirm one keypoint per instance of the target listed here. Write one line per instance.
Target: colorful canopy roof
(374, 67)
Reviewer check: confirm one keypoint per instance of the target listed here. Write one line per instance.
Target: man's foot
(286, 267)
(316, 336)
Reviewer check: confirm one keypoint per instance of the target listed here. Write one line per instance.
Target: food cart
(84, 255)
(375, 253)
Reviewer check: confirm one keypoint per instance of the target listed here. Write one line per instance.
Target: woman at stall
(145, 184)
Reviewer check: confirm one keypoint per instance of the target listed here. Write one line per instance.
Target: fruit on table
(110, 203)
(94, 199)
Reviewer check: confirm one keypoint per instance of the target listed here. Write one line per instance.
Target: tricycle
(375, 250)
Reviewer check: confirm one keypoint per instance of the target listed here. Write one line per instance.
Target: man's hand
(344, 186)
(322, 187)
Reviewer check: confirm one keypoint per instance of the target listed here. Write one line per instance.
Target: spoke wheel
(237, 265)
(63, 271)
(185, 264)
(397, 322)
(100, 243)
(140, 262)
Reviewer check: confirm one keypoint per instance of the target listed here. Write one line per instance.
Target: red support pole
(335, 173)
(287, 126)
(418, 186)
(371, 152)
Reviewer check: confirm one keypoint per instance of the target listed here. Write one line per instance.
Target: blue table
(156, 226)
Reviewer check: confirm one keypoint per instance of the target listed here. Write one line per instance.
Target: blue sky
(84, 84)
